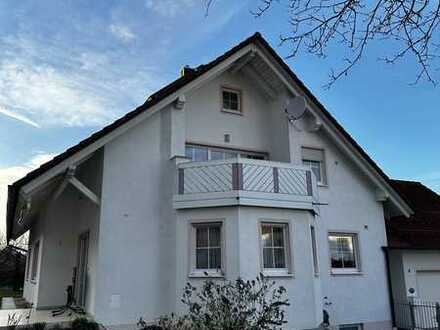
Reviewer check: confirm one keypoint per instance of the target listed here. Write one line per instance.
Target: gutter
(390, 286)
(409, 248)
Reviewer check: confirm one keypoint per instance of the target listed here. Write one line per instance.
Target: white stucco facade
(140, 245)
(57, 230)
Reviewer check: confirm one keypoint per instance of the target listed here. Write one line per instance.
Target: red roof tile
(422, 229)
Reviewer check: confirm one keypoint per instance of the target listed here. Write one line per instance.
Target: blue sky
(67, 68)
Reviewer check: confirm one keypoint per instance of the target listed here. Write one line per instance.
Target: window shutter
(313, 154)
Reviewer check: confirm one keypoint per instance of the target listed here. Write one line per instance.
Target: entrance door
(81, 269)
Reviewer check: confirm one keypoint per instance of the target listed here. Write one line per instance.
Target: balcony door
(202, 153)
(81, 269)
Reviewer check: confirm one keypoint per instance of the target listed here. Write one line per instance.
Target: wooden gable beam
(242, 62)
(69, 173)
(259, 81)
(69, 177)
(84, 190)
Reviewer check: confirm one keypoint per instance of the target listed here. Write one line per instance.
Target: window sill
(233, 112)
(323, 185)
(349, 273)
(273, 274)
(33, 281)
(197, 274)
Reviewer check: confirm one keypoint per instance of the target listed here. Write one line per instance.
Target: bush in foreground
(229, 305)
(83, 323)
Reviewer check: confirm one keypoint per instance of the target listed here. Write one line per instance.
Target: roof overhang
(26, 203)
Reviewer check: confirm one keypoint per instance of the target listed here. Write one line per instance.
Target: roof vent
(186, 71)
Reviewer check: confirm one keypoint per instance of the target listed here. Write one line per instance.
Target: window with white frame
(315, 159)
(207, 247)
(344, 252)
(275, 246)
(199, 153)
(231, 100)
(35, 254)
(314, 250)
(351, 326)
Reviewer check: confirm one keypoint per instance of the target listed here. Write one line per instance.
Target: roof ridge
(407, 181)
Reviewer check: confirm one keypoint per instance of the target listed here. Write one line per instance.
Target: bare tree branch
(410, 28)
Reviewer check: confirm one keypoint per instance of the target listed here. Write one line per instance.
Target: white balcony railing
(243, 179)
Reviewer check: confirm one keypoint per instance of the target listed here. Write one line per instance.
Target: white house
(210, 176)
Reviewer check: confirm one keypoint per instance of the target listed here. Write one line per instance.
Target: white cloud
(169, 8)
(17, 116)
(122, 32)
(44, 83)
(10, 174)
(43, 95)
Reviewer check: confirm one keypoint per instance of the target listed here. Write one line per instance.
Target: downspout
(390, 287)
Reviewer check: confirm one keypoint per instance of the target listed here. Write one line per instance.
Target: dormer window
(231, 100)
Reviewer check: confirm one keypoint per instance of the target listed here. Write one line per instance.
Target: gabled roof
(422, 229)
(168, 90)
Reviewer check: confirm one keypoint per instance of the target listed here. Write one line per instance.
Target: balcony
(244, 182)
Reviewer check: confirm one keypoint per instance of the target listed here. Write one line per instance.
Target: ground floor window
(275, 246)
(344, 252)
(207, 247)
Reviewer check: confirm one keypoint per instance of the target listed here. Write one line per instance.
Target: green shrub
(175, 323)
(230, 305)
(80, 323)
(56, 326)
(39, 326)
(153, 327)
(145, 326)
(83, 323)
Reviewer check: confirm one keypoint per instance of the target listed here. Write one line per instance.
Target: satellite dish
(296, 108)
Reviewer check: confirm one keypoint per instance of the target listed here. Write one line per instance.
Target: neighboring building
(414, 247)
(12, 267)
(209, 176)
